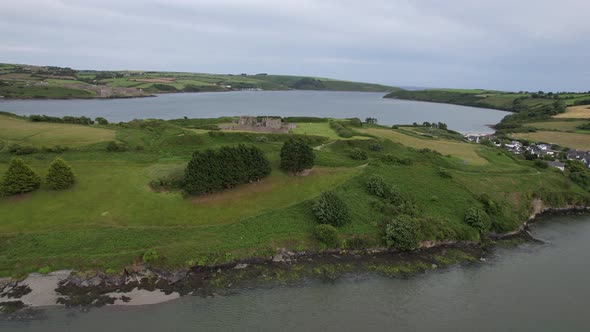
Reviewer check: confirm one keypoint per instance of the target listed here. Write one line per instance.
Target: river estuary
(533, 287)
(281, 103)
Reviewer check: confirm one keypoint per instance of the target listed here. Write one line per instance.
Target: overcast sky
(500, 44)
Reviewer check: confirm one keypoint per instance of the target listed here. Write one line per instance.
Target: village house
(557, 164)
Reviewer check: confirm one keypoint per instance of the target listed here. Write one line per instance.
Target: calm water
(282, 103)
(530, 288)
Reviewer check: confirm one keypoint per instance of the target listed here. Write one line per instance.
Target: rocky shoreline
(148, 285)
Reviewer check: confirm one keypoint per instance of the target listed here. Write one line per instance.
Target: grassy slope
(481, 98)
(111, 217)
(20, 131)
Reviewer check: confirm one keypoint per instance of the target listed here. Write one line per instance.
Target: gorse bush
(330, 209)
(477, 219)
(328, 235)
(60, 175)
(358, 154)
(296, 156)
(19, 179)
(376, 186)
(209, 171)
(401, 233)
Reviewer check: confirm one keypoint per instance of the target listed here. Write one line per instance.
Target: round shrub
(327, 234)
(358, 154)
(60, 175)
(401, 233)
(478, 219)
(150, 256)
(19, 179)
(330, 209)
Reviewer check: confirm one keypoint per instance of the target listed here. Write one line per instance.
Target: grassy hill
(118, 210)
(24, 81)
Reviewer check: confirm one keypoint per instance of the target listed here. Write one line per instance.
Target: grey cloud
(500, 44)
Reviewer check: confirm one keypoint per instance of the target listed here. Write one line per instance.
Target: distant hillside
(24, 81)
(527, 106)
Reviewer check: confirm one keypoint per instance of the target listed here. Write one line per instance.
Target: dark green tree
(60, 175)
(209, 171)
(19, 178)
(101, 121)
(296, 156)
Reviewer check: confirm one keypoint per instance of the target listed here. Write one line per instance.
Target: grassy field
(112, 216)
(463, 151)
(571, 140)
(16, 130)
(320, 129)
(575, 112)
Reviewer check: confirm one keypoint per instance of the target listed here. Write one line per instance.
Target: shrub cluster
(66, 119)
(340, 129)
(330, 209)
(114, 146)
(394, 202)
(209, 171)
(296, 156)
(578, 173)
(18, 149)
(401, 233)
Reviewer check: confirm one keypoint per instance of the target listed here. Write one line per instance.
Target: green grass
(571, 126)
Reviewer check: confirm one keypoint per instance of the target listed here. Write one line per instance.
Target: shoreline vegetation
(146, 285)
(47, 82)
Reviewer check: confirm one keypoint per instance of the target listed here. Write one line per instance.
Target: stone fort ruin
(266, 124)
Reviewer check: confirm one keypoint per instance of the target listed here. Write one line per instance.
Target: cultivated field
(575, 112)
(463, 151)
(571, 140)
